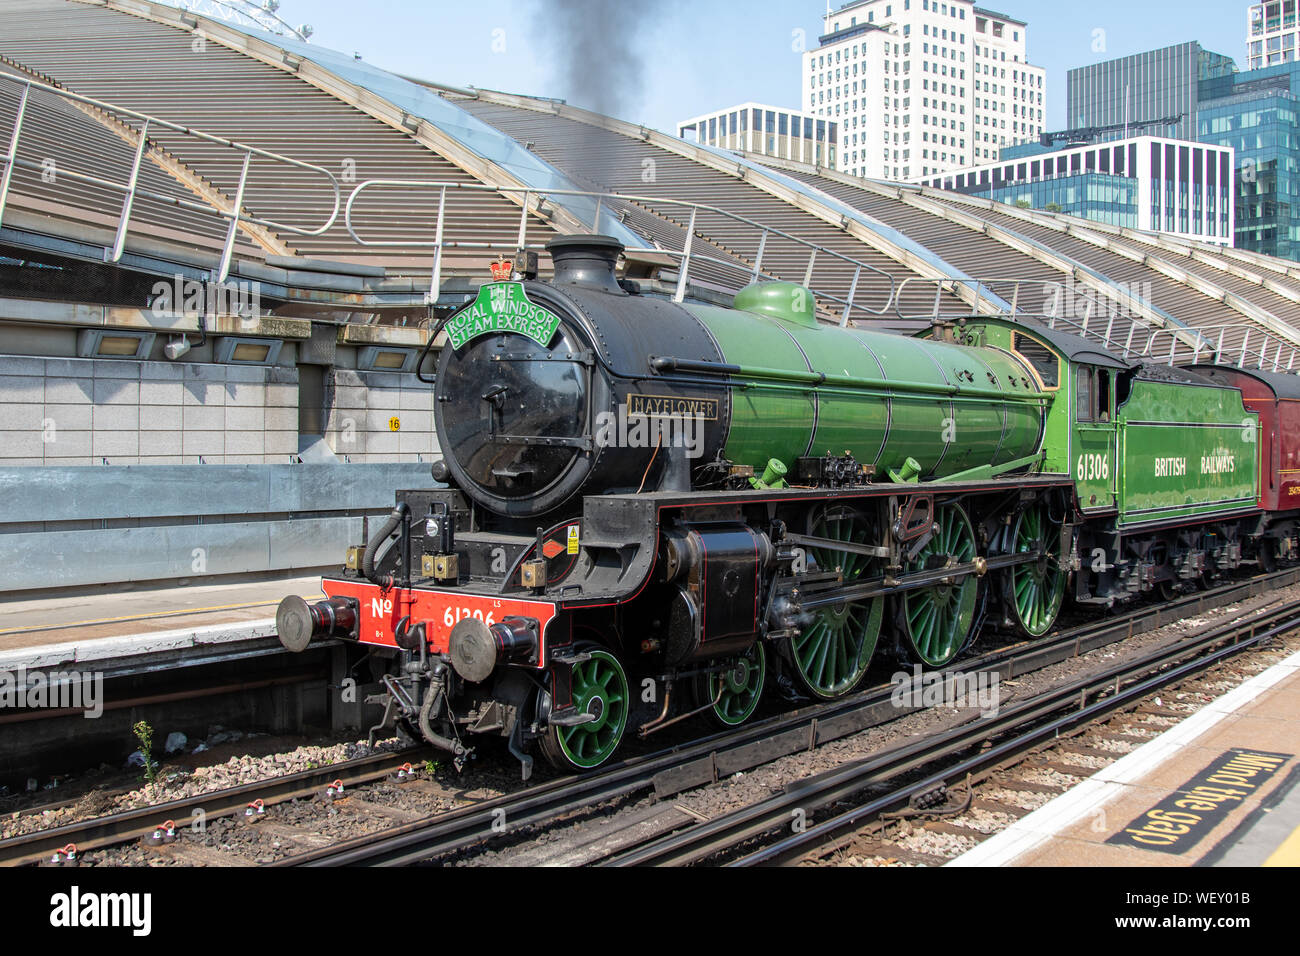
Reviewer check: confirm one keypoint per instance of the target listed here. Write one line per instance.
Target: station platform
(1217, 789)
(53, 629)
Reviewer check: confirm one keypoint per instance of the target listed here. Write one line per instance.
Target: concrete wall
(116, 471)
(362, 406)
(80, 526)
(69, 412)
(75, 412)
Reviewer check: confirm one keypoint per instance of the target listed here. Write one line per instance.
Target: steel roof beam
(1080, 229)
(754, 177)
(1037, 251)
(365, 100)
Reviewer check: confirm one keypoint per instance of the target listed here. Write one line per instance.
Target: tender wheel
(1038, 589)
(741, 688)
(599, 688)
(832, 654)
(936, 622)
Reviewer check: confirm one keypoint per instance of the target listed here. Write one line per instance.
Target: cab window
(1094, 395)
(1085, 394)
(1042, 359)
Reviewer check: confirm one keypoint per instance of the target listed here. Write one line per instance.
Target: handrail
(1051, 291)
(1097, 306)
(686, 256)
(1244, 353)
(131, 190)
(1202, 340)
(1141, 339)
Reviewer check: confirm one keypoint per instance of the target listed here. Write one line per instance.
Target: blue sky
(700, 55)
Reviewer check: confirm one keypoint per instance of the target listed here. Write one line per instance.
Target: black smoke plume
(598, 49)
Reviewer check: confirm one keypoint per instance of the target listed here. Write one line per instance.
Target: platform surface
(57, 628)
(1220, 788)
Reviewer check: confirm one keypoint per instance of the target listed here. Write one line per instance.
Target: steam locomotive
(649, 510)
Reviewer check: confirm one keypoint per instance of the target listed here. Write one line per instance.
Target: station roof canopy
(352, 193)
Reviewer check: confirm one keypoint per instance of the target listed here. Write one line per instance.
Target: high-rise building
(1271, 33)
(767, 131)
(1258, 114)
(919, 87)
(1157, 84)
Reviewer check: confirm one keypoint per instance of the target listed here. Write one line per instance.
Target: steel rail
(129, 824)
(1028, 738)
(1023, 719)
(705, 761)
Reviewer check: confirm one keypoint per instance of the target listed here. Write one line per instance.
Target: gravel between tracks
(176, 781)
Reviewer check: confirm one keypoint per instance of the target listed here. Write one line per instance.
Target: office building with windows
(767, 131)
(1155, 85)
(919, 87)
(1145, 182)
(1271, 33)
(1257, 113)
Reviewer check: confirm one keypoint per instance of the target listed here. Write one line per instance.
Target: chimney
(586, 261)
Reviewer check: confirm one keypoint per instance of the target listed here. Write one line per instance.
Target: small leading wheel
(832, 653)
(1038, 588)
(600, 689)
(936, 621)
(733, 695)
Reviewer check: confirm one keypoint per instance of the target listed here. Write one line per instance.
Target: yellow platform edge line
(1288, 854)
(179, 612)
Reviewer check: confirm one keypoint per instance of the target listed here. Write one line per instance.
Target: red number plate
(439, 611)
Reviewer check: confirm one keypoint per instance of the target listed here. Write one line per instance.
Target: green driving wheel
(832, 653)
(936, 621)
(733, 695)
(599, 689)
(1037, 588)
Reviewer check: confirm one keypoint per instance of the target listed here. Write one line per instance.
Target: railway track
(1015, 729)
(664, 773)
(681, 768)
(128, 825)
